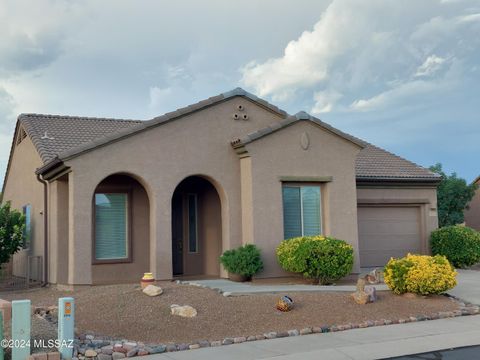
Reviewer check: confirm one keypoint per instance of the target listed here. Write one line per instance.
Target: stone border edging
(104, 348)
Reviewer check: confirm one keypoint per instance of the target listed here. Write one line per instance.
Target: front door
(177, 234)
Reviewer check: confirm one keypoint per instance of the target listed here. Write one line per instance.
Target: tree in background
(12, 227)
(453, 196)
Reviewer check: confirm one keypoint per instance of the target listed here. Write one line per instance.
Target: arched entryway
(121, 230)
(196, 228)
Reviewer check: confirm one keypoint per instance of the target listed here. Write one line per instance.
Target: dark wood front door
(177, 234)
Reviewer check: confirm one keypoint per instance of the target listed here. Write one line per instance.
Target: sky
(403, 75)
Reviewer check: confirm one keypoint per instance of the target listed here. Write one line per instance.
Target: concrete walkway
(231, 288)
(468, 287)
(370, 343)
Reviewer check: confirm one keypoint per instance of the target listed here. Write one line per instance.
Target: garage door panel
(404, 241)
(378, 227)
(378, 258)
(387, 231)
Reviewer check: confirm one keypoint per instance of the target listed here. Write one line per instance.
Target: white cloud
(430, 66)
(325, 101)
(362, 56)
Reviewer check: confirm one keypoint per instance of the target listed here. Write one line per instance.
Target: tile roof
(62, 137)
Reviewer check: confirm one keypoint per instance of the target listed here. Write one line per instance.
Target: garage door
(387, 231)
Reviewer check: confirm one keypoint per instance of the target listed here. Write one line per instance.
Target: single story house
(472, 213)
(109, 199)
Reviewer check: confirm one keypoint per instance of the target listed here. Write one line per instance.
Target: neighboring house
(472, 213)
(169, 195)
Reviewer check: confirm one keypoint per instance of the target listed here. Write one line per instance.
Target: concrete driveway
(468, 287)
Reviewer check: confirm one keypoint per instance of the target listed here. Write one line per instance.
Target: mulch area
(124, 312)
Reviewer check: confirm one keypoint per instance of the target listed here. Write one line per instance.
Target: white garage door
(387, 231)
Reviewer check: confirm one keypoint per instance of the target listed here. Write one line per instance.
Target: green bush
(244, 260)
(323, 259)
(420, 274)
(460, 244)
(12, 228)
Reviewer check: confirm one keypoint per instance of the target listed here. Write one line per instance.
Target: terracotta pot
(238, 277)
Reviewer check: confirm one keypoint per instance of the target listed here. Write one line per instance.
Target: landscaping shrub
(244, 260)
(420, 274)
(460, 244)
(321, 258)
(12, 229)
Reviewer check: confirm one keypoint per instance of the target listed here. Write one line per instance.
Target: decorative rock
(216, 343)
(360, 296)
(260, 337)
(132, 352)
(104, 357)
(305, 331)
(239, 339)
(89, 337)
(227, 341)
(182, 347)
(204, 343)
(141, 352)
(152, 290)
(183, 311)
(118, 356)
(194, 346)
(129, 345)
(90, 353)
(271, 335)
(293, 332)
(372, 293)
(282, 334)
(157, 349)
(316, 329)
(227, 294)
(251, 338)
(171, 347)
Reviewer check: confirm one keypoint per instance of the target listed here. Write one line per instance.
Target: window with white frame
(302, 210)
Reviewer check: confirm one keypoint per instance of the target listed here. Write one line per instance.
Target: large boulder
(183, 311)
(152, 290)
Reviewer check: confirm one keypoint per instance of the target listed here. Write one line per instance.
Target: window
(111, 226)
(192, 224)
(301, 211)
(27, 235)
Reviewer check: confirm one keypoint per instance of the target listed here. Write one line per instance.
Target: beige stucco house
(109, 199)
(472, 213)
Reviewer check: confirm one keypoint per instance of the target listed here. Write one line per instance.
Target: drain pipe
(45, 229)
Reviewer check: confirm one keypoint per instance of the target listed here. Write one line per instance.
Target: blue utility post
(66, 323)
(21, 323)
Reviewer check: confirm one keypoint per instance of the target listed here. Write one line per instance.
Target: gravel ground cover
(124, 312)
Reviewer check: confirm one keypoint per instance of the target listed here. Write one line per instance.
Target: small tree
(453, 196)
(12, 227)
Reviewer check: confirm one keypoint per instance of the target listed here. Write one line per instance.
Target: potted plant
(242, 263)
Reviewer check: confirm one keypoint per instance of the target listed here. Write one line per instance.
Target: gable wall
(281, 154)
(22, 188)
(160, 158)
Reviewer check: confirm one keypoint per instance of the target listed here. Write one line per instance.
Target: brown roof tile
(61, 137)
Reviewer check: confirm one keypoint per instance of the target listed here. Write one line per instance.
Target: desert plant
(460, 244)
(244, 260)
(420, 274)
(12, 227)
(323, 259)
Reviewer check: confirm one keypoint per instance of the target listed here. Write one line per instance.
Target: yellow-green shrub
(420, 274)
(324, 259)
